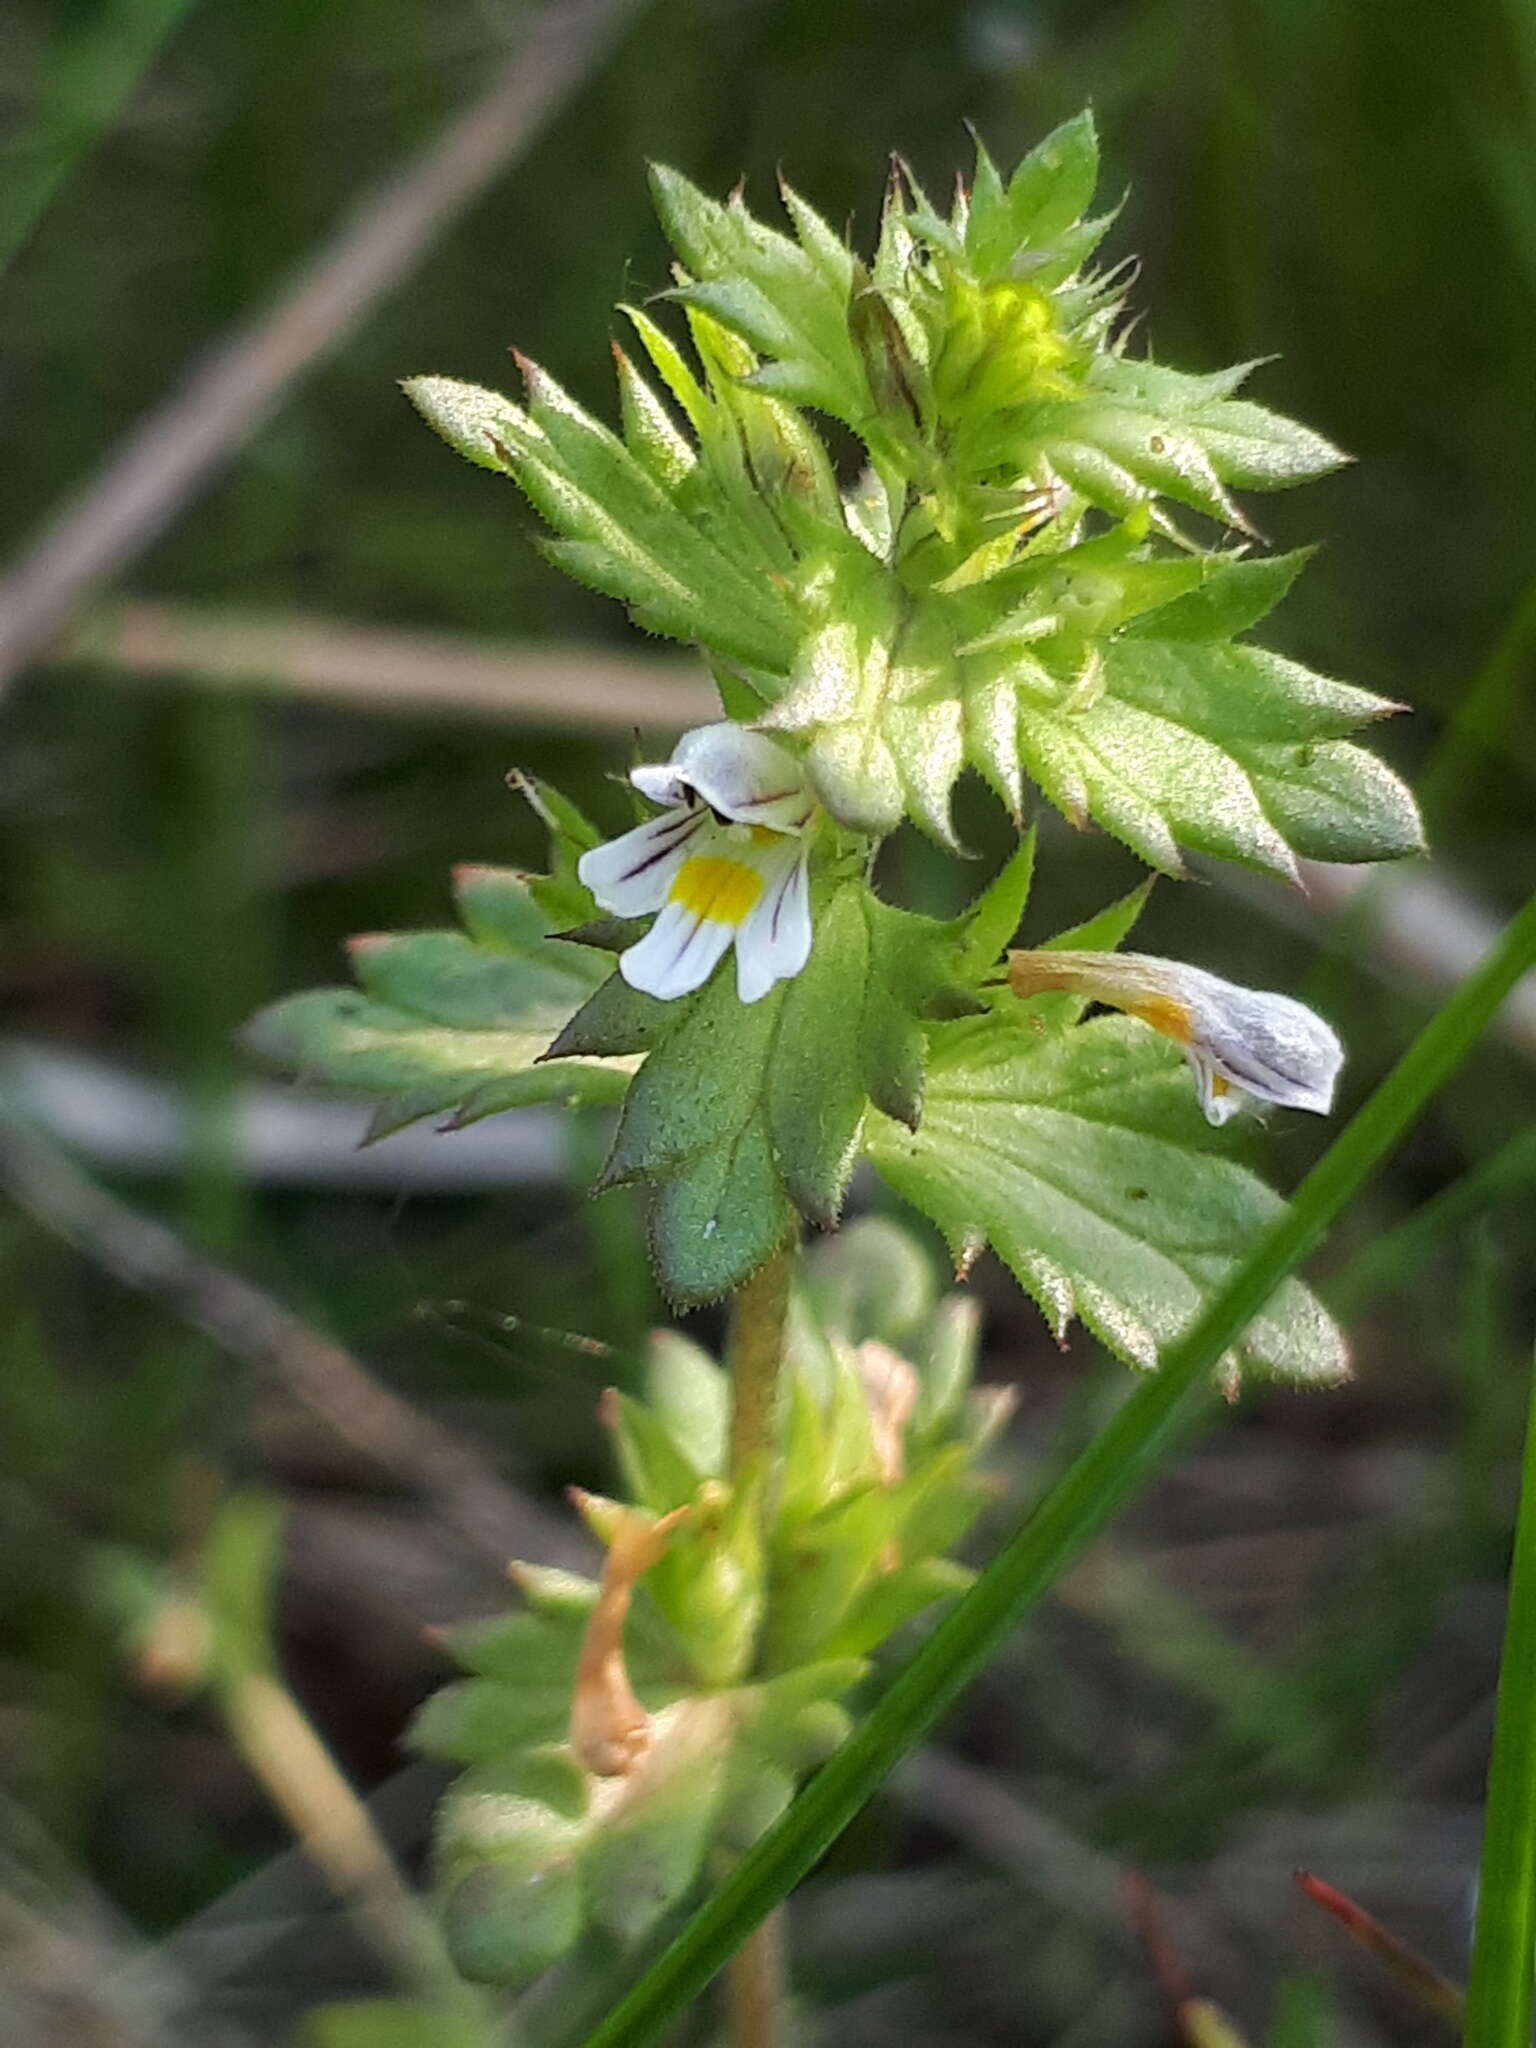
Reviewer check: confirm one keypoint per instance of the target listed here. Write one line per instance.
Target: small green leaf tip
(476, 423)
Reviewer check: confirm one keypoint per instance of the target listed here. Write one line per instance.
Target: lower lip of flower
(721, 891)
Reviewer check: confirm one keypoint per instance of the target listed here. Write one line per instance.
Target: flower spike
(1240, 1041)
(725, 861)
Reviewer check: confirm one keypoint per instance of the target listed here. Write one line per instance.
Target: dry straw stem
(1418, 926)
(302, 1780)
(176, 447)
(239, 1317)
(754, 1988)
(386, 670)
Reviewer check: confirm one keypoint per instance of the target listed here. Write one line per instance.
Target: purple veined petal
(1266, 1044)
(744, 776)
(677, 955)
(774, 942)
(631, 875)
(1240, 1041)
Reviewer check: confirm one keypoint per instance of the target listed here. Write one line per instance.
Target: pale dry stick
(152, 1260)
(1405, 922)
(122, 1121)
(303, 1782)
(176, 447)
(1420, 924)
(388, 670)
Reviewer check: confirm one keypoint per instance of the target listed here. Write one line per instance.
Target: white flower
(725, 860)
(1240, 1041)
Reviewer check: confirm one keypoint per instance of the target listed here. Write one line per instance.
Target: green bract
(743, 1115)
(1075, 1154)
(1076, 1150)
(741, 1642)
(1008, 585)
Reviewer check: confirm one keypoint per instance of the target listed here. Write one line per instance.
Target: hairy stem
(755, 1354)
(754, 1983)
(754, 1987)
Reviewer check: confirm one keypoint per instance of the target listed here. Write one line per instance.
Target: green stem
(1159, 1414)
(755, 1354)
(754, 1985)
(1504, 1951)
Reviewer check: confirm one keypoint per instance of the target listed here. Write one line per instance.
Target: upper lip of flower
(744, 777)
(726, 861)
(1240, 1041)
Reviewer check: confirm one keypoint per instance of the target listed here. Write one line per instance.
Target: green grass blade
(1154, 1417)
(1504, 1950)
(1395, 1253)
(90, 74)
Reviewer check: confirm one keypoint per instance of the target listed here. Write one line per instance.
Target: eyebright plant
(1039, 568)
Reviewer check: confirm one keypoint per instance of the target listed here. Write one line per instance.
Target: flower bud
(1002, 348)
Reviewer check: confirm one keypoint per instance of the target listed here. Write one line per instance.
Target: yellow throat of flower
(717, 889)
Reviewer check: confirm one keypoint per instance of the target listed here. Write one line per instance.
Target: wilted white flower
(726, 860)
(1240, 1041)
(610, 1730)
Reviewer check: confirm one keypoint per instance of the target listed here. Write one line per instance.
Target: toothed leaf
(1221, 749)
(456, 1022)
(744, 1115)
(1080, 1156)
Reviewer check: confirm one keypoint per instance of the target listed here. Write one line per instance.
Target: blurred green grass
(1290, 1650)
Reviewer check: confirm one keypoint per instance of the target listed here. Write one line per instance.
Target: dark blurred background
(283, 701)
